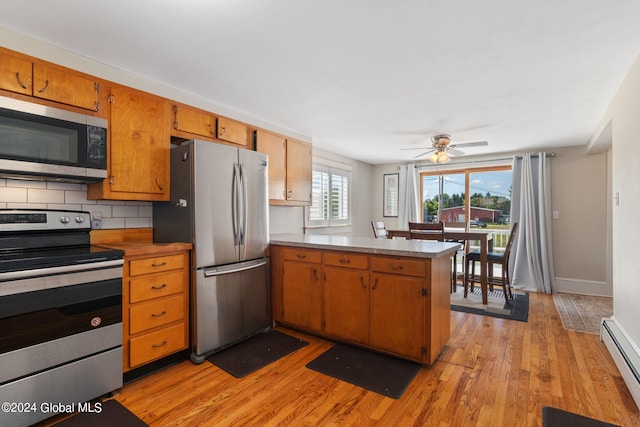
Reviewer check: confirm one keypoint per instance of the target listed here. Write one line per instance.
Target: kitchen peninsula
(384, 294)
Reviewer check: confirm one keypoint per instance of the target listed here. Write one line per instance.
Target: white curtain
(408, 209)
(531, 263)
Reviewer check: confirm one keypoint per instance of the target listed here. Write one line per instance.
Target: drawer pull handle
(395, 267)
(46, 85)
(164, 285)
(159, 345)
(362, 283)
(159, 315)
(375, 284)
(345, 260)
(301, 256)
(20, 82)
(162, 264)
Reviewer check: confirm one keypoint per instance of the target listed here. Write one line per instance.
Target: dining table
(485, 239)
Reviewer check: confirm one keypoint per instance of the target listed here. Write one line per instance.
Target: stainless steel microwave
(46, 143)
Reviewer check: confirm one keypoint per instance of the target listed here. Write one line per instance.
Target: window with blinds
(330, 195)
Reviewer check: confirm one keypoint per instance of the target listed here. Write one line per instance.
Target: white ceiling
(366, 78)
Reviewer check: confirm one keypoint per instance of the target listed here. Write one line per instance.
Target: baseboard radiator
(624, 354)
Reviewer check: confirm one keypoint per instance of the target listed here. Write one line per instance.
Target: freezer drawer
(232, 302)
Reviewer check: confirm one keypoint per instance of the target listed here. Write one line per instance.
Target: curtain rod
(425, 165)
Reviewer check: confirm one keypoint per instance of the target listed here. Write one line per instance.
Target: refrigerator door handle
(244, 212)
(222, 270)
(234, 205)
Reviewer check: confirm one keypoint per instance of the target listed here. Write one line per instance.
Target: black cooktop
(55, 257)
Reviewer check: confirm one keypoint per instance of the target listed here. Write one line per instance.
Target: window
(330, 196)
(446, 195)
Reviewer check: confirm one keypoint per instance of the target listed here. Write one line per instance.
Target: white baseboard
(584, 287)
(625, 355)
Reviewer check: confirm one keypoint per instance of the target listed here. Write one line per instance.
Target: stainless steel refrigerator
(219, 203)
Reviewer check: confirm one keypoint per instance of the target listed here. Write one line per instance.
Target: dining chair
(379, 230)
(457, 226)
(427, 231)
(492, 258)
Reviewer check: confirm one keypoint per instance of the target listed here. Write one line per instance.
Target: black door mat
(248, 356)
(377, 372)
(553, 417)
(112, 413)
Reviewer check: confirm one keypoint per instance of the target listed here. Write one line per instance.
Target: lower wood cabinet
(396, 305)
(155, 301)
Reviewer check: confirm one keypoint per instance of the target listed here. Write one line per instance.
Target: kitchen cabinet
(21, 75)
(346, 297)
(301, 288)
(289, 168)
(193, 121)
(394, 304)
(155, 301)
(138, 159)
(232, 131)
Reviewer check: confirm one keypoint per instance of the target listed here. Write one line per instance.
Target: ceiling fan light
(433, 158)
(443, 157)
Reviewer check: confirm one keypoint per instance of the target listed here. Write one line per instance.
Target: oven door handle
(37, 272)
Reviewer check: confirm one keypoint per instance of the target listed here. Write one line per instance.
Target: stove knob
(65, 219)
(79, 219)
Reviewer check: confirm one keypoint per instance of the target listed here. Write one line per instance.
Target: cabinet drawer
(156, 313)
(401, 266)
(301, 254)
(154, 286)
(156, 264)
(155, 345)
(346, 259)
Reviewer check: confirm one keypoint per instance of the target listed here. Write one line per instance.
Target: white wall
(623, 118)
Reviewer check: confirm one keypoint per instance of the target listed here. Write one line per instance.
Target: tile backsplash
(19, 194)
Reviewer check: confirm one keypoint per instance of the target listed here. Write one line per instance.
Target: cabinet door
(301, 295)
(194, 121)
(232, 131)
(139, 147)
(66, 88)
(397, 314)
(346, 304)
(298, 171)
(15, 74)
(275, 146)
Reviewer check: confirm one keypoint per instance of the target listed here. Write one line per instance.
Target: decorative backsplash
(16, 194)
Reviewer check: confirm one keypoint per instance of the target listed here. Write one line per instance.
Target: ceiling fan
(442, 148)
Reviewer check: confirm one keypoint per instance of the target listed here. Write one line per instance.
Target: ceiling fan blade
(455, 152)
(424, 154)
(414, 148)
(471, 144)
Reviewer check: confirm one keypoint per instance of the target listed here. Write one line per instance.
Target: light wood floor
(493, 372)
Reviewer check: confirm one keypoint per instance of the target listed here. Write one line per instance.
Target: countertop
(147, 248)
(370, 245)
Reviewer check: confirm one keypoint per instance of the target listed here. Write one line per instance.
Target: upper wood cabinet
(15, 74)
(52, 83)
(192, 120)
(289, 168)
(233, 131)
(138, 162)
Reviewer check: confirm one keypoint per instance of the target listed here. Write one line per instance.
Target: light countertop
(397, 247)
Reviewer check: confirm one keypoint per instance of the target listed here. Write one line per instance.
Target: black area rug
(553, 417)
(377, 372)
(516, 309)
(258, 351)
(112, 413)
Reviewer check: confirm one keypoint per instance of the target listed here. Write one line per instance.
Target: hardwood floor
(493, 372)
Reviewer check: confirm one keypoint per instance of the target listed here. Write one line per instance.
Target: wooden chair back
(427, 230)
(379, 230)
